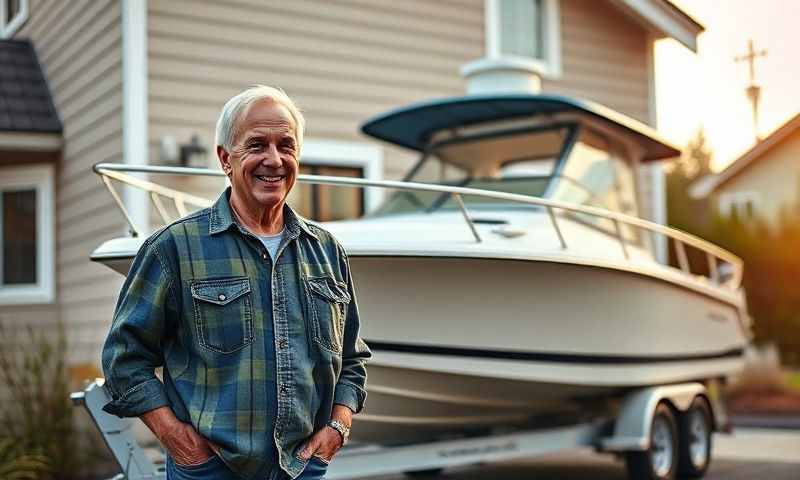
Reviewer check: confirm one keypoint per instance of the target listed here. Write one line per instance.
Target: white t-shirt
(272, 242)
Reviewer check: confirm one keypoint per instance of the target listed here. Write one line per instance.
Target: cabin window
(13, 14)
(325, 203)
(596, 174)
(526, 29)
(26, 235)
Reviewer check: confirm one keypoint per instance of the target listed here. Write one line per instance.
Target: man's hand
(323, 443)
(326, 442)
(186, 446)
(181, 441)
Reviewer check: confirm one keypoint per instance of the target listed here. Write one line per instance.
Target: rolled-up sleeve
(133, 347)
(351, 386)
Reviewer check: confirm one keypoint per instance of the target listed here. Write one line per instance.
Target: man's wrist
(161, 421)
(341, 428)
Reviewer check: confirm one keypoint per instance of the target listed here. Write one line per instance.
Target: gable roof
(25, 101)
(705, 186)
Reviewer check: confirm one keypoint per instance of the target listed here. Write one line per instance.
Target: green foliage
(15, 464)
(38, 435)
(770, 254)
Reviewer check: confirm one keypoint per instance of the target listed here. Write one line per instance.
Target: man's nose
(272, 157)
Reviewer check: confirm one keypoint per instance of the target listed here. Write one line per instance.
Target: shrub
(39, 437)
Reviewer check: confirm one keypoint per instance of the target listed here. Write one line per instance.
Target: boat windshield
(561, 163)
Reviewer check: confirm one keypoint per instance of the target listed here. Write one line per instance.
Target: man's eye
(255, 146)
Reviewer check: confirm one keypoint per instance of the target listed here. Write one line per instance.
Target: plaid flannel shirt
(196, 301)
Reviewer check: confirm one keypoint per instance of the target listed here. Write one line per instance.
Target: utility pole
(753, 90)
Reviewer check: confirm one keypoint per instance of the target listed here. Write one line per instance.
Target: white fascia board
(134, 104)
(665, 20)
(318, 151)
(31, 142)
(657, 176)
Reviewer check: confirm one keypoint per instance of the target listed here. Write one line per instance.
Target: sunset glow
(708, 88)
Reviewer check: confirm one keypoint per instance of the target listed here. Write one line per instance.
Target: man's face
(263, 161)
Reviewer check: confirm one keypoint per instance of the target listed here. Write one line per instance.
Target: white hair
(233, 108)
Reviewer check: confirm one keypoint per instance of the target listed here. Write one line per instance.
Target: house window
(743, 205)
(26, 235)
(342, 159)
(325, 203)
(525, 29)
(13, 14)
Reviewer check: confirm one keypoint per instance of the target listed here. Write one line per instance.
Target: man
(252, 313)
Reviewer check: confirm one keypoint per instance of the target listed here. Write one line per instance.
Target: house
(764, 182)
(134, 80)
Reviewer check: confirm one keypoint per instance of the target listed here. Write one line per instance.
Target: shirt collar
(222, 219)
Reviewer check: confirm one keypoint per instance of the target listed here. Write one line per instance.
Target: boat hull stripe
(554, 357)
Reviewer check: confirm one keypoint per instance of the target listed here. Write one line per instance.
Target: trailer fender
(632, 425)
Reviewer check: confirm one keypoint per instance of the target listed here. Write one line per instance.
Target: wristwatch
(340, 427)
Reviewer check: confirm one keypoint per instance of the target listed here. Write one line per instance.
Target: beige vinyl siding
(79, 44)
(604, 58)
(341, 61)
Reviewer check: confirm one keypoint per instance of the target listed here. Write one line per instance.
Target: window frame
(8, 27)
(40, 178)
(337, 153)
(549, 66)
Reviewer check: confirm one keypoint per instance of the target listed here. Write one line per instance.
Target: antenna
(753, 90)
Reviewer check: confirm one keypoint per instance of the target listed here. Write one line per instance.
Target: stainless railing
(716, 257)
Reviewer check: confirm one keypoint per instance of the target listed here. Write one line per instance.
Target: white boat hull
(471, 343)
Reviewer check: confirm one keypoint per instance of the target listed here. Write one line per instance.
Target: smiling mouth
(267, 179)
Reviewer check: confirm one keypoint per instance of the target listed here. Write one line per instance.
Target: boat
(508, 280)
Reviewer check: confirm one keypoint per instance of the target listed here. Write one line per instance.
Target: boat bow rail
(724, 268)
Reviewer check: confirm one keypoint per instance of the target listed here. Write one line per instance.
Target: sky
(708, 88)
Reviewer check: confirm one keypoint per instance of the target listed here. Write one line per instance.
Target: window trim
(9, 27)
(549, 66)
(337, 153)
(41, 178)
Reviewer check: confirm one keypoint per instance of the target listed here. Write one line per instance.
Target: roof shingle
(25, 101)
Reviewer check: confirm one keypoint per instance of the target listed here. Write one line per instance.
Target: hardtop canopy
(412, 126)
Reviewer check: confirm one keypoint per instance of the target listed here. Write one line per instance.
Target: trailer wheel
(429, 473)
(660, 461)
(695, 444)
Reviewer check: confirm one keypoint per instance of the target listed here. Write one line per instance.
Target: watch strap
(341, 428)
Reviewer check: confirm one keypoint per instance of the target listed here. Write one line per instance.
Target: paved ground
(749, 454)
(790, 422)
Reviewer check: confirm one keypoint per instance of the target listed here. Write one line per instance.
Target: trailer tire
(428, 473)
(695, 445)
(660, 461)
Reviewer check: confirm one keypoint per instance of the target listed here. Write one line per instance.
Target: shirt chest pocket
(328, 302)
(223, 313)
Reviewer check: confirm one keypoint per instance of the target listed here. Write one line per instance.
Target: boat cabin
(539, 145)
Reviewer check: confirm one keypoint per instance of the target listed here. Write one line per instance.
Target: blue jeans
(215, 469)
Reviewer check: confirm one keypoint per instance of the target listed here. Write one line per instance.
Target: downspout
(135, 141)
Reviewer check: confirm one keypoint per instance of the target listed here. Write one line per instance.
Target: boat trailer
(629, 433)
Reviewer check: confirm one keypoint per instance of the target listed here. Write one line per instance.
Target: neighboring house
(762, 183)
(132, 80)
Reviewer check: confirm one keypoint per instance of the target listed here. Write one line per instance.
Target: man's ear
(224, 159)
